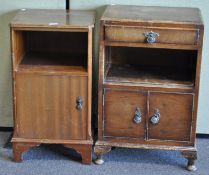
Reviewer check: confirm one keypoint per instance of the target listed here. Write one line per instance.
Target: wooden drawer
(175, 116)
(137, 35)
(120, 110)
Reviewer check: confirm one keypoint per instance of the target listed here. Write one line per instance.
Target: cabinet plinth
(52, 77)
(149, 69)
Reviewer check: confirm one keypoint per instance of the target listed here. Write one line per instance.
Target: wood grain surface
(52, 69)
(164, 75)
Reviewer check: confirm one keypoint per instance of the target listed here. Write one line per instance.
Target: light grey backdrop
(9, 8)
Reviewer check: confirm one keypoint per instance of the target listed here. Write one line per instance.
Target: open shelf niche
(163, 67)
(66, 51)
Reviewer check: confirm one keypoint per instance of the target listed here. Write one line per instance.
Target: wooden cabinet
(149, 69)
(52, 70)
(129, 114)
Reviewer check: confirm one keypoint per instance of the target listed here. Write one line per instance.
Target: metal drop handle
(155, 119)
(79, 103)
(151, 37)
(137, 116)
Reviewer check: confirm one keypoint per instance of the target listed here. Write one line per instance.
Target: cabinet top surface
(167, 15)
(54, 18)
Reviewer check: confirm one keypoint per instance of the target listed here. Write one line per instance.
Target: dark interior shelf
(57, 52)
(54, 61)
(150, 66)
(160, 75)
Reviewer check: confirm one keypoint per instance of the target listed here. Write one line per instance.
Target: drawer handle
(155, 119)
(79, 103)
(137, 116)
(151, 37)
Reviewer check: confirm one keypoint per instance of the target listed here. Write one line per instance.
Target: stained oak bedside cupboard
(149, 72)
(52, 77)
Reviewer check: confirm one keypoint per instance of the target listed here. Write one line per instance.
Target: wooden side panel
(175, 116)
(119, 111)
(136, 34)
(89, 121)
(197, 81)
(100, 81)
(46, 107)
(18, 47)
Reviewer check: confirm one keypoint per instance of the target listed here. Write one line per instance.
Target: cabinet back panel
(154, 57)
(64, 42)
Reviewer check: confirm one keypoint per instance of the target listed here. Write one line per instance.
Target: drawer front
(47, 106)
(123, 111)
(137, 35)
(175, 119)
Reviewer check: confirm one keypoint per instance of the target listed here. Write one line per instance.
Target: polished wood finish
(52, 62)
(175, 122)
(20, 148)
(119, 119)
(83, 150)
(153, 16)
(51, 113)
(162, 78)
(136, 35)
(47, 18)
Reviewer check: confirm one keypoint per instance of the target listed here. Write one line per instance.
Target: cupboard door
(124, 114)
(170, 116)
(47, 107)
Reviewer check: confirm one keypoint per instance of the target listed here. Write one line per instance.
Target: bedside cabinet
(149, 70)
(52, 76)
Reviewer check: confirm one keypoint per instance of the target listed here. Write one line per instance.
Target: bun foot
(191, 168)
(99, 151)
(191, 156)
(99, 160)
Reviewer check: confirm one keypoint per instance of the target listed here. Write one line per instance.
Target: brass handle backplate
(79, 103)
(137, 116)
(155, 119)
(151, 37)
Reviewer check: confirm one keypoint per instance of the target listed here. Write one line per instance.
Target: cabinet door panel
(175, 116)
(46, 106)
(119, 111)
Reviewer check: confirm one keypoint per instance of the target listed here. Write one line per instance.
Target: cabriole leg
(191, 156)
(99, 151)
